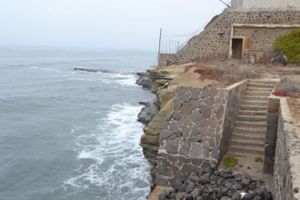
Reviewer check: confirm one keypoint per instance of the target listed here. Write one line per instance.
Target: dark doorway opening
(237, 48)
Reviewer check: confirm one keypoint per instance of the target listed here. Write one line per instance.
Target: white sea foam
(115, 161)
(113, 78)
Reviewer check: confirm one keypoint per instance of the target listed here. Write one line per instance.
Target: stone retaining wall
(271, 135)
(233, 98)
(197, 132)
(287, 159)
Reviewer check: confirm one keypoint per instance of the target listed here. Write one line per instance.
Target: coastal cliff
(157, 82)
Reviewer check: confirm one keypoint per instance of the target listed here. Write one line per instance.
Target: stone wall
(197, 132)
(287, 159)
(247, 5)
(214, 41)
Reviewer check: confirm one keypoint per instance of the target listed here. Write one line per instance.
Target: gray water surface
(69, 135)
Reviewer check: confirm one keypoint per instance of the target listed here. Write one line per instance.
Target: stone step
(250, 130)
(253, 108)
(255, 98)
(254, 103)
(246, 149)
(244, 136)
(250, 124)
(269, 81)
(257, 93)
(246, 155)
(260, 85)
(247, 142)
(252, 118)
(253, 113)
(258, 89)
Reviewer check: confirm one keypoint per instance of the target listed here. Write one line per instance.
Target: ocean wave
(115, 162)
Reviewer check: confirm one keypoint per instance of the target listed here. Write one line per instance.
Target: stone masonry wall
(197, 132)
(287, 159)
(214, 41)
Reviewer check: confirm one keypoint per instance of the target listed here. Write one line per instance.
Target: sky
(132, 24)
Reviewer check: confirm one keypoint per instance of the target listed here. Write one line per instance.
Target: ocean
(71, 135)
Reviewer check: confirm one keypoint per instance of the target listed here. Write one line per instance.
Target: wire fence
(171, 44)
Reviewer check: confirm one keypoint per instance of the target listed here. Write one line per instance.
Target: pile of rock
(218, 184)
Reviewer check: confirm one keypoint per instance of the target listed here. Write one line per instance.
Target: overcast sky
(102, 23)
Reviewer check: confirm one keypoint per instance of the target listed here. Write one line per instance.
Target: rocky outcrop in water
(209, 184)
(144, 80)
(148, 112)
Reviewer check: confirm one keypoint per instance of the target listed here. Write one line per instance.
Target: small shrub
(230, 162)
(289, 45)
(258, 159)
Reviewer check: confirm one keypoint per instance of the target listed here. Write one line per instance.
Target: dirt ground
(224, 73)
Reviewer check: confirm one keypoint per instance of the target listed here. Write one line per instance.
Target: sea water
(71, 135)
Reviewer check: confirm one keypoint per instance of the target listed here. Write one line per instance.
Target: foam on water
(115, 161)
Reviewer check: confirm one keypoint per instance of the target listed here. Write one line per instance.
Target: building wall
(214, 41)
(260, 38)
(250, 5)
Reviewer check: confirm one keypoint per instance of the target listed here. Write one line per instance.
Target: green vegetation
(289, 45)
(230, 161)
(258, 159)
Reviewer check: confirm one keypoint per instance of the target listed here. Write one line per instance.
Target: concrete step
(253, 113)
(253, 108)
(250, 124)
(248, 142)
(260, 85)
(257, 93)
(251, 136)
(250, 130)
(246, 149)
(252, 118)
(254, 98)
(254, 103)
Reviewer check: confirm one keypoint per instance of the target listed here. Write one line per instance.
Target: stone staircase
(248, 137)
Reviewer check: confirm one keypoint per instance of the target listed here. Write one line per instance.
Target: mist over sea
(71, 135)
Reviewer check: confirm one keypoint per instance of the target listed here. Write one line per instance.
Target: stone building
(246, 30)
